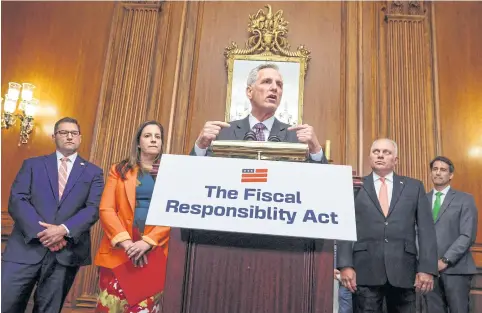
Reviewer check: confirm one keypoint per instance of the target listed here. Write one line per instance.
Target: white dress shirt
(378, 184)
(442, 197)
(269, 124)
(70, 165)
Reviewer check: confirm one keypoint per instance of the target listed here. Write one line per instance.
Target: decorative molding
(410, 112)
(268, 37)
(396, 9)
(436, 93)
(142, 5)
(185, 83)
(351, 84)
(124, 104)
(177, 71)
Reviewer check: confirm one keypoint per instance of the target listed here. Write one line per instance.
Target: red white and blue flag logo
(254, 175)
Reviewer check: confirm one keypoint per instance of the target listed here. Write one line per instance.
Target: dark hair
(445, 160)
(66, 120)
(133, 159)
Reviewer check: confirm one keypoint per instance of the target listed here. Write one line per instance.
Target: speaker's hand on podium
(306, 134)
(209, 132)
(348, 278)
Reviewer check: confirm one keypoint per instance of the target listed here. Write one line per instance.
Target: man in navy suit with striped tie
(54, 201)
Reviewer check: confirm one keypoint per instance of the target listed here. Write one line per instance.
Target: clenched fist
(209, 132)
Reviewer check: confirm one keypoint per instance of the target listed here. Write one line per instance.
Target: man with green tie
(455, 218)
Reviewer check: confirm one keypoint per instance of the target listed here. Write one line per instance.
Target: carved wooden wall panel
(409, 117)
(459, 63)
(124, 102)
(351, 103)
(38, 46)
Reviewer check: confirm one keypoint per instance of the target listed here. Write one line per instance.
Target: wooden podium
(223, 272)
(218, 272)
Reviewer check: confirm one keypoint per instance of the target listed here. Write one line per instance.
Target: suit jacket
(239, 128)
(34, 197)
(386, 247)
(456, 229)
(117, 216)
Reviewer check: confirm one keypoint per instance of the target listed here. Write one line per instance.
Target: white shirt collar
(388, 177)
(444, 191)
(268, 123)
(71, 157)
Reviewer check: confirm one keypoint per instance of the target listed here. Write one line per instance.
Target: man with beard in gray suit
(264, 90)
(383, 263)
(455, 217)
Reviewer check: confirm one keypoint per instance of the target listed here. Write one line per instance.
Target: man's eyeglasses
(65, 133)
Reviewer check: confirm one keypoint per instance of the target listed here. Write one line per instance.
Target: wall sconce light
(26, 109)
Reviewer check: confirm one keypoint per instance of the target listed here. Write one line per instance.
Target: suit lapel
(53, 173)
(430, 198)
(77, 170)
(398, 185)
(241, 128)
(448, 198)
(130, 185)
(278, 130)
(370, 189)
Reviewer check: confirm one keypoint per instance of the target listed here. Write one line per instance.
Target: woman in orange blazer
(123, 212)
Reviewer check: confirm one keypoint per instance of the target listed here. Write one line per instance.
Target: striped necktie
(63, 175)
(258, 129)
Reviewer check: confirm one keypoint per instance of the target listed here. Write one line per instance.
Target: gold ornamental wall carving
(268, 37)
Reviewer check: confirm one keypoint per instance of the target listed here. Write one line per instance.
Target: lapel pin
(82, 163)
(401, 182)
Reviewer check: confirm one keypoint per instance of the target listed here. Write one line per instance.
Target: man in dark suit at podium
(264, 90)
(383, 263)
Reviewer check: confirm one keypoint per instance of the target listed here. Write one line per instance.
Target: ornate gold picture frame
(267, 44)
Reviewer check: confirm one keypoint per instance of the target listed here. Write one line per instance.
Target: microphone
(274, 138)
(250, 135)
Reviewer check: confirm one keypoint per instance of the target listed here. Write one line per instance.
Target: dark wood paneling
(135, 50)
(459, 63)
(59, 47)
(460, 83)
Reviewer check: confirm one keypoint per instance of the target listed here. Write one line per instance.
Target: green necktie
(437, 205)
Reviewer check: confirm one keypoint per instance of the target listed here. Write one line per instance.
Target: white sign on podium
(293, 199)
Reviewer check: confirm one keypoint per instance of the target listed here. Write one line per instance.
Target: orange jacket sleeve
(156, 235)
(111, 224)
